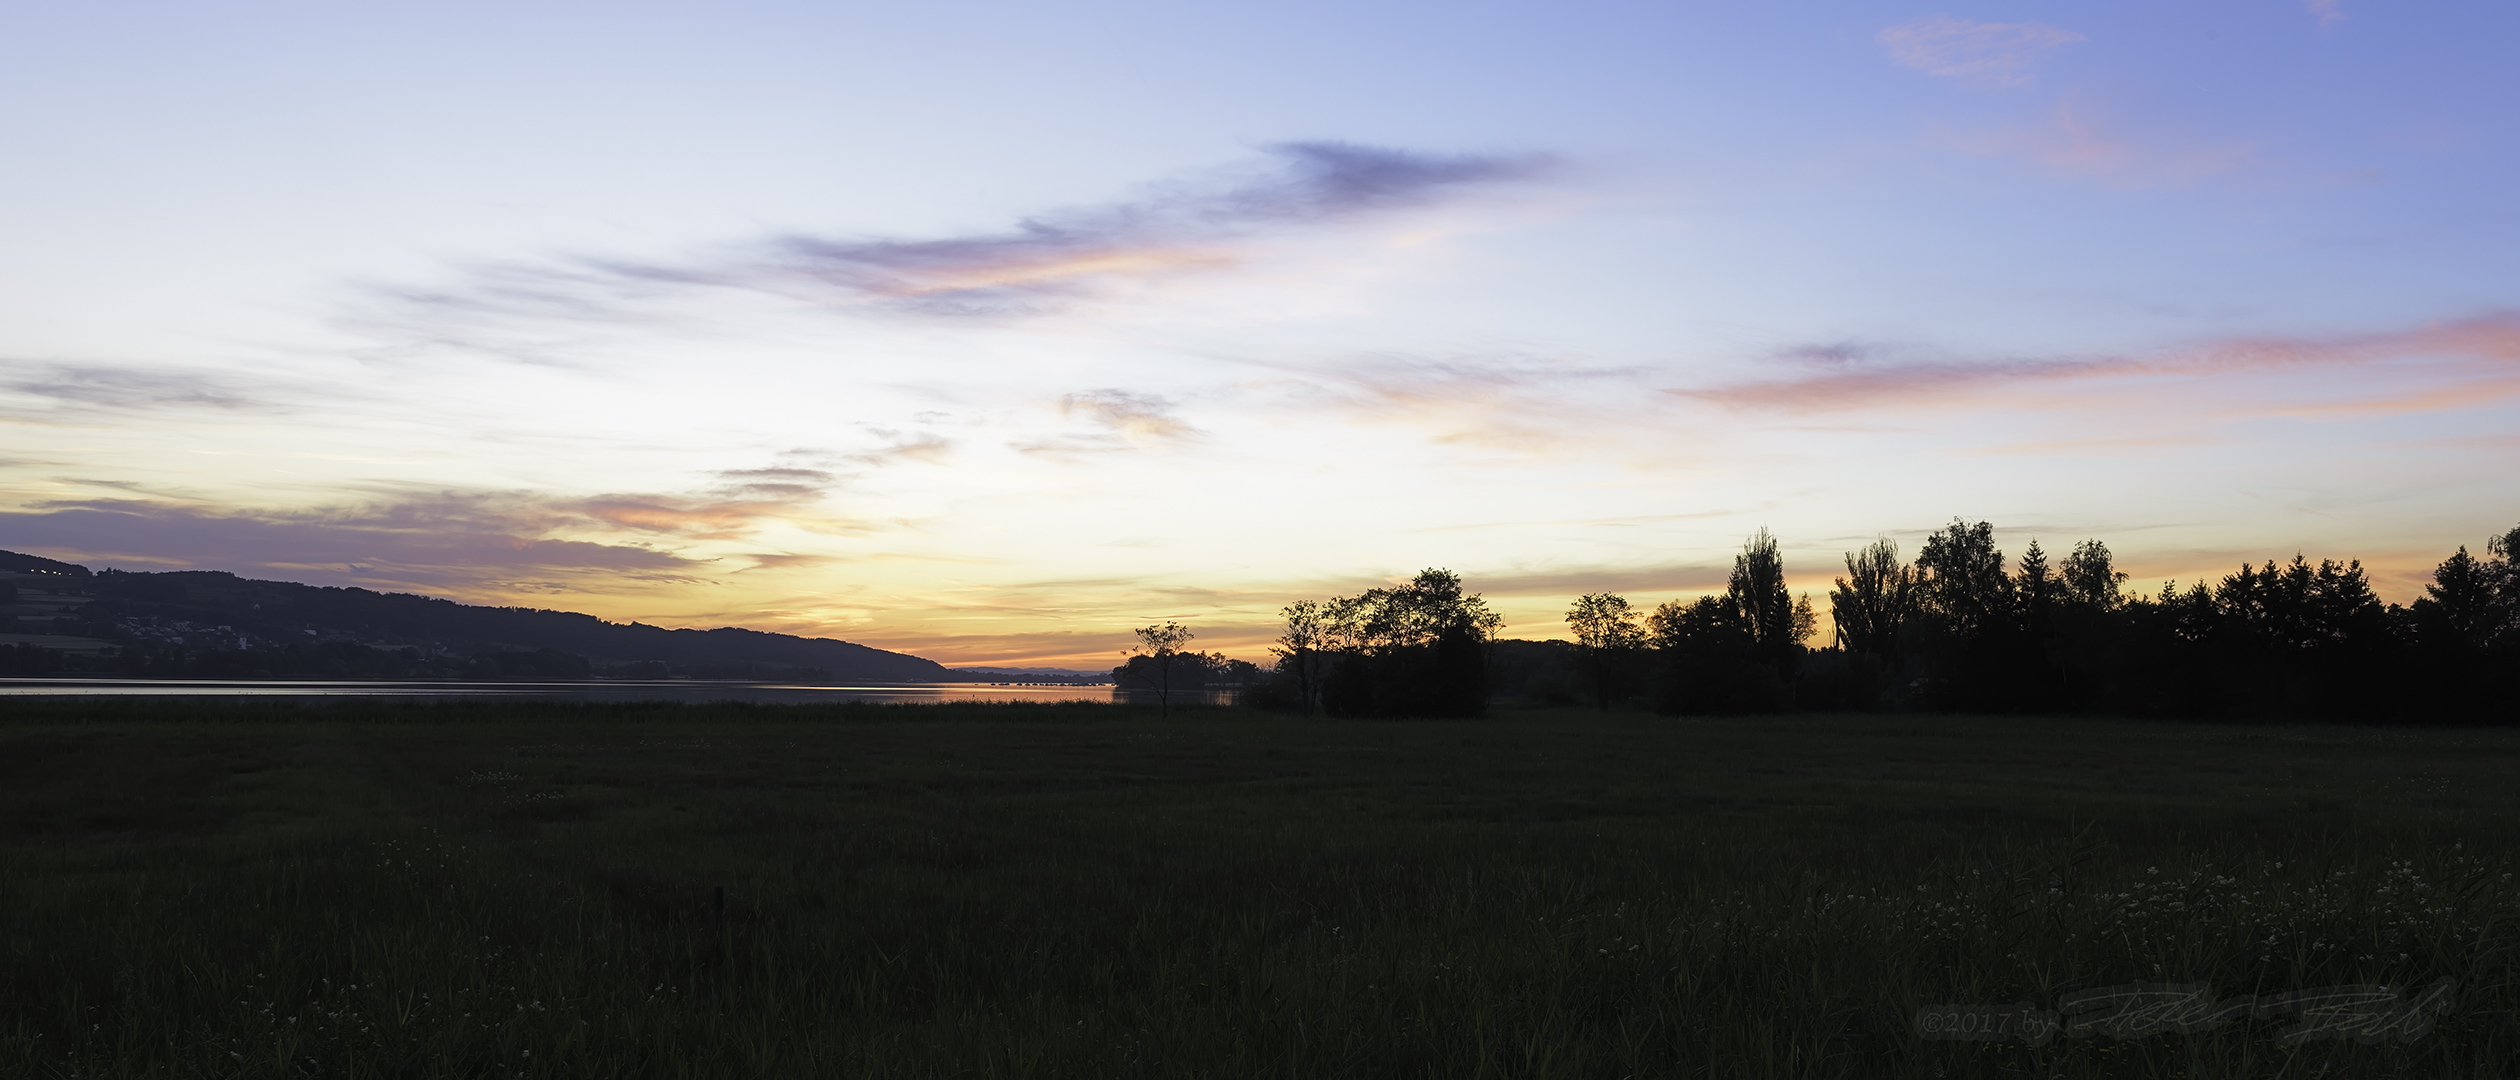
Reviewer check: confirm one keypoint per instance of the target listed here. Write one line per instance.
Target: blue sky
(989, 331)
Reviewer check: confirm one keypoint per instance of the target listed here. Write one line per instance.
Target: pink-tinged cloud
(1137, 418)
(2112, 447)
(2466, 394)
(2487, 347)
(1999, 53)
(1114, 420)
(2080, 138)
(743, 501)
(1520, 404)
(1042, 261)
(1185, 229)
(2329, 12)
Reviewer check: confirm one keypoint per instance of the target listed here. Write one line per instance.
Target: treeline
(1960, 627)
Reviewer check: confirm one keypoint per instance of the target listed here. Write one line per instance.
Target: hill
(280, 627)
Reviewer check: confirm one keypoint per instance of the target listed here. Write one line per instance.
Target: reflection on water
(622, 690)
(1179, 697)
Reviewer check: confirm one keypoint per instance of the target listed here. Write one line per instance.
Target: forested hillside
(213, 623)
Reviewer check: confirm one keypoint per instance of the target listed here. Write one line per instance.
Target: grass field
(1087, 891)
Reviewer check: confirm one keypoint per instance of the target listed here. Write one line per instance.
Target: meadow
(496, 890)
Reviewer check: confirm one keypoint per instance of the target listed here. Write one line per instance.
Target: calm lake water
(623, 690)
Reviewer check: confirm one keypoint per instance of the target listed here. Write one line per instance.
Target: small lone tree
(1605, 629)
(1160, 643)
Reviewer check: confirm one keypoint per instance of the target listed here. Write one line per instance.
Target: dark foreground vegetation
(514, 890)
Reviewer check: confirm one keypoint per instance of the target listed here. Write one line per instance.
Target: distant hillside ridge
(34, 564)
(215, 606)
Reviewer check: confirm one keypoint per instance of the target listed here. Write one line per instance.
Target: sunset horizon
(986, 335)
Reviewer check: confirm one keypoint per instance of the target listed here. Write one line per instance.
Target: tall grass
(532, 892)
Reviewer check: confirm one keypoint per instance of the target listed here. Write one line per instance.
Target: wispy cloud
(2492, 341)
(1620, 522)
(1563, 581)
(1042, 261)
(1519, 403)
(2080, 137)
(739, 503)
(774, 483)
(2328, 12)
(470, 540)
(1137, 417)
(1981, 52)
(1115, 420)
(689, 518)
(2113, 447)
(97, 388)
(925, 447)
(452, 544)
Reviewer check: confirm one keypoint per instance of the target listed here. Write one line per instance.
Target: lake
(789, 692)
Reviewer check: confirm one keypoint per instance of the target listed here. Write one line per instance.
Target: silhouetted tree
(1964, 616)
(1871, 603)
(2293, 639)
(1776, 622)
(1734, 652)
(1190, 671)
(2027, 647)
(1418, 649)
(2168, 664)
(2087, 630)
(2302, 639)
(2462, 608)
(1161, 645)
(2501, 659)
(2091, 580)
(2300, 609)
(2035, 586)
(2466, 646)
(1605, 630)
(2505, 550)
(1704, 652)
(1305, 648)
(1963, 582)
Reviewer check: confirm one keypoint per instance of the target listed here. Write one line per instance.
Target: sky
(987, 332)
